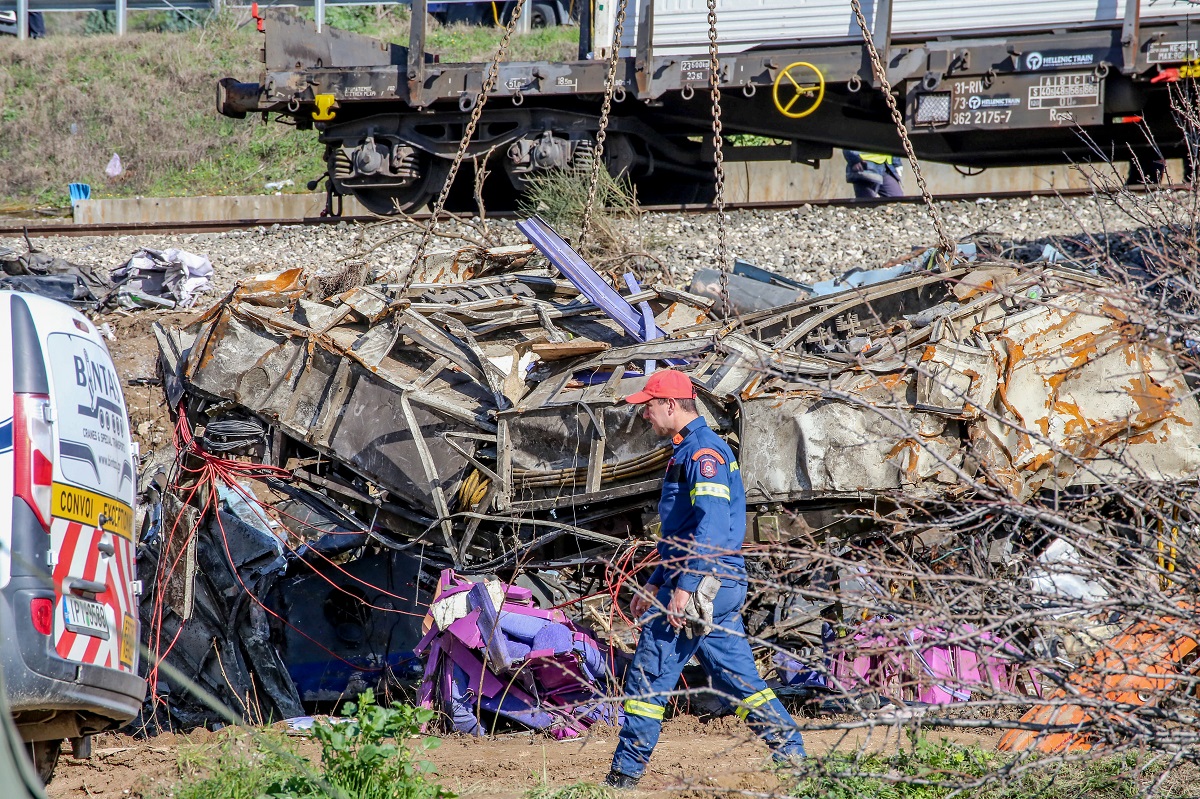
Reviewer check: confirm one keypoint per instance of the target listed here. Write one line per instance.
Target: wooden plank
(552, 351)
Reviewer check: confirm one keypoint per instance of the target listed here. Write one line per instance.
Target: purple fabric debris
(494, 640)
(933, 666)
(524, 628)
(522, 663)
(794, 673)
(555, 637)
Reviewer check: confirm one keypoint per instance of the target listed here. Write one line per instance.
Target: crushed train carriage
(474, 422)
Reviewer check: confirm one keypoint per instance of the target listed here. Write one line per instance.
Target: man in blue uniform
(703, 515)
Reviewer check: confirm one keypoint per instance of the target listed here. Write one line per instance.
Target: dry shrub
(560, 197)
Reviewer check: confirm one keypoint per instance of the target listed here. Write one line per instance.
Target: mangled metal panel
(1078, 384)
(808, 445)
(1042, 386)
(446, 267)
(385, 422)
(572, 441)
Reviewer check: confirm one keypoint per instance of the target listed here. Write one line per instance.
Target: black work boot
(623, 782)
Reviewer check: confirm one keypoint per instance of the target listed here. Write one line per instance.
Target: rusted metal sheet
(1053, 386)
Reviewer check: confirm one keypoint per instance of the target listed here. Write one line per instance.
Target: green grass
(69, 101)
(364, 756)
(579, 790)
(934, 770)
(240, 766)
(457, 43)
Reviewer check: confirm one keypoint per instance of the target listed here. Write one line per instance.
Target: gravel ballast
(807, 243)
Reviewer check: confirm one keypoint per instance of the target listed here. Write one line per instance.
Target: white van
(67, 572)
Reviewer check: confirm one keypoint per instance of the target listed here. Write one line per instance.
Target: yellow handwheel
(798, 79)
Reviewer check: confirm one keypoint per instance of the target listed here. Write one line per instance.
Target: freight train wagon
(999, 83)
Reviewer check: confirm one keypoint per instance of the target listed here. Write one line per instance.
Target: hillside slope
(68, 103)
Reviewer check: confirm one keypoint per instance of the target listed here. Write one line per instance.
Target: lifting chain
(714, 80)
(610, 82)
(489, 83)
(945, 244)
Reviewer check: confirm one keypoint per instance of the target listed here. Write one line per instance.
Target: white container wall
(681, 26)
(922, 18)
(1152, 9)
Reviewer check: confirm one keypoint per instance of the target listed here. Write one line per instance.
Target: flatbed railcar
(999, 83)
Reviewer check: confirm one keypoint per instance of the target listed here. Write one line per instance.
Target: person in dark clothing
(702, 575)
(873, 175)
(37, 25)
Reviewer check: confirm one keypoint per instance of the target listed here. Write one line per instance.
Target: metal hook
(749, 90)
(466, 101)
(293, 105)
(688, 92)
(619, 94)
(854, 85)
(518, 98)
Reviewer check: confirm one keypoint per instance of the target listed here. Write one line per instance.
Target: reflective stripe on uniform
(710, 490)
(754, 701)
(733, 467)
(635, 708)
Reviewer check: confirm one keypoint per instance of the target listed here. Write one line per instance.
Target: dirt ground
(691, 755)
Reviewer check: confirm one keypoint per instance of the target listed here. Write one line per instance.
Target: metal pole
(22, 19)
(525, 23)
(416, 54)
(585, 29)
(319, 13)
(1130, 28)
(122, 10)
(883, 29)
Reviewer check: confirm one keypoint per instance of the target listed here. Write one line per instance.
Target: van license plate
(128, 641)
(84, 616)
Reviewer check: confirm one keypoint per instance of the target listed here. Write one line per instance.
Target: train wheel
(392, 200)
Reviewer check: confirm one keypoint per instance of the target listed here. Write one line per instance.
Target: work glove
(700, 607)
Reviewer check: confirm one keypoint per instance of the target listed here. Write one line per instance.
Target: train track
(41, 229)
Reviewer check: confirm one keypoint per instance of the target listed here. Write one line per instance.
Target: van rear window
(90, 418)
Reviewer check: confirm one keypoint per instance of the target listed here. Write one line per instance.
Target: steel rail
(42, 230)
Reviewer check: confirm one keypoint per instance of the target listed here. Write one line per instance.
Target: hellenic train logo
(1033, 61)
(974, 102)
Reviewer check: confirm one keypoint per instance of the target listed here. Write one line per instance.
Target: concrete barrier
(757, 181)
(149, 210)
(746, 181)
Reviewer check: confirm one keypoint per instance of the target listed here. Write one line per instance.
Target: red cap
(664, 384)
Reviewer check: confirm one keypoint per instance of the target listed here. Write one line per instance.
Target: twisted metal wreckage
(472, 421)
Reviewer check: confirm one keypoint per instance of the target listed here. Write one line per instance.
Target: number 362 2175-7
(985, 117)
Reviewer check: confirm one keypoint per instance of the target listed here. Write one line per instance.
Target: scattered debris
(471, 420)
(41, 273)
(162, 278)
(489, 648)
(1142, 666)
